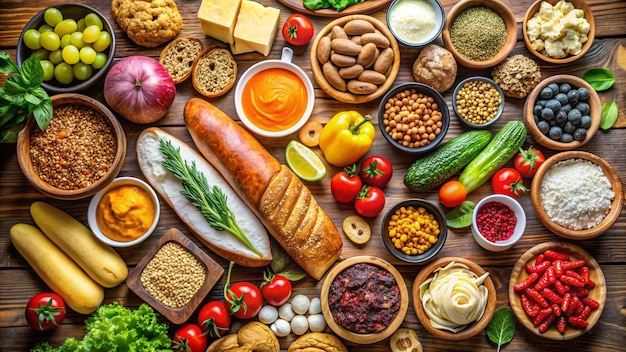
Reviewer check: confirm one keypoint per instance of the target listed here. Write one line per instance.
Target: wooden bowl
(213, 273)
(609, 219)
(595, 273)
(74, 11)
(346, 96)
(26, 164)
(371, 337)
(579, 4)
(509, 21)
(595, 113)
(470, 330)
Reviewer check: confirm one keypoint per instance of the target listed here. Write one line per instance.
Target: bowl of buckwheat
(478, 102)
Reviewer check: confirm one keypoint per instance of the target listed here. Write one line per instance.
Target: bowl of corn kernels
(478, 102)
(414, 230)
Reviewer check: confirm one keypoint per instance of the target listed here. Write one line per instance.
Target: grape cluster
(68, 49)
(562, 112)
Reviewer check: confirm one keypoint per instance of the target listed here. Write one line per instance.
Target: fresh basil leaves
(599, 78)
(609, 115)
(461, 216)
(501, 328)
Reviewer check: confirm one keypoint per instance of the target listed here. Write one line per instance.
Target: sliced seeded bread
(214, 72)
(178, 57)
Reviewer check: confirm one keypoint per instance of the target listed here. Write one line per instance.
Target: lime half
(304, 162)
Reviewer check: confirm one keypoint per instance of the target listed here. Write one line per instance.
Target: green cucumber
(504, 145)
(434, 169)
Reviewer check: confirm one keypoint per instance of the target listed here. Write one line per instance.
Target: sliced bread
(214, 72)
(178, 57)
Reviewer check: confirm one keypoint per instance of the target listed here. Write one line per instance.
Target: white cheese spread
(576, 194)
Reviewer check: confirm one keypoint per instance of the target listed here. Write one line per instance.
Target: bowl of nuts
(478, 102)
(418, 246)
(414, 118)
(355, 59)
(563, 112)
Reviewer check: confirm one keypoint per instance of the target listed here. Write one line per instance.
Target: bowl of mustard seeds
(480, 34)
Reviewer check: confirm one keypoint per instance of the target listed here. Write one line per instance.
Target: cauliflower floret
(537, 45)
(563, 6)
(571, 42)
(546, 11)
(552, 30)
(554, 49)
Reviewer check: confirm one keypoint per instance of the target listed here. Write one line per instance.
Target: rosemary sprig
(211, 202)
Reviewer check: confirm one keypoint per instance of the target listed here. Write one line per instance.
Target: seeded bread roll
(178, 57)
(214, 73)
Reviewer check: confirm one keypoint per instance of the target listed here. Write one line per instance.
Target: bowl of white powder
(577, 195)
(416, 23)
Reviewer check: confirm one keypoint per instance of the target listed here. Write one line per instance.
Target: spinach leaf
(609, 115)
(461, 216)
(316, 4)
(501, 328)
(600, 79)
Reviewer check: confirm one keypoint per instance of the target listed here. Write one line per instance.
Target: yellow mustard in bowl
(125, 213)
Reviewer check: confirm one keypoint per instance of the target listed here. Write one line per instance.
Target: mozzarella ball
(316, 306)
(268, 314)
(286, 312)
(281, 327)
(300, 304)
(317, 323)
(299, 324)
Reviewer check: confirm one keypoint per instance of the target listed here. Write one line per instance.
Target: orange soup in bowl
(274, 99)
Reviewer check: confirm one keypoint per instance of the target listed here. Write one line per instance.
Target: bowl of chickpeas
(74, 43)
(414, 118)
(414, 230)
(478, 102)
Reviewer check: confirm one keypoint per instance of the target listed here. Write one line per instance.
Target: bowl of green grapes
(74, 43)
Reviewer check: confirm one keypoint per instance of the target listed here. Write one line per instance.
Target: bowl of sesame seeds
(480, 34)
(80, 152)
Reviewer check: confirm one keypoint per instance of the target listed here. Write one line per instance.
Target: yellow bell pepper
(346, 138)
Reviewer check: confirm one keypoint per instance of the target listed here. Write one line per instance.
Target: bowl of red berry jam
(498, 222)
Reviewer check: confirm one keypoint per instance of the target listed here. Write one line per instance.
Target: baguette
(169, 188)
(56, 269)
(279, 198)
(100, 262)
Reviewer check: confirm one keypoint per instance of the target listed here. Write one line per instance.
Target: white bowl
(439, 19)
(93, 209)
(500, 246)
(286, 64)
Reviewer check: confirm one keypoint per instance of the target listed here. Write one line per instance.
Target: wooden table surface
(18, 282)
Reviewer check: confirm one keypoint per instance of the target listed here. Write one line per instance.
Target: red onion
(140, 89)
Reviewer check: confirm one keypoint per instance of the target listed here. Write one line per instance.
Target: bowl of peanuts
(478, 102)
(414, 230)
(414, 118)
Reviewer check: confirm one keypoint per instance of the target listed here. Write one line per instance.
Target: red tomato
(44, 311)
(276, 289)
(189, 338)
(376, 171)
(370, 202)
(214, 318)
(528, 161)
(508, 181)
(346, 185)
(298, 30)
(452, 194)
(244, 300)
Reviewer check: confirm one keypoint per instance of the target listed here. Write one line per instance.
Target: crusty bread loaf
(275, 194)
(178, 57)
(214, 72)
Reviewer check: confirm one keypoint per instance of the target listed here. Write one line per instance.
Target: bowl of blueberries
(562, 112)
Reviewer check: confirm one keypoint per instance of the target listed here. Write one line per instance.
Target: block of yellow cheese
(217, 18)
(255, 28)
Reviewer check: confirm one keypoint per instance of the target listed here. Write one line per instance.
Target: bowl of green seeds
(480, 34)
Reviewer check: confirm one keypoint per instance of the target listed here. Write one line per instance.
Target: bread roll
(279, 198)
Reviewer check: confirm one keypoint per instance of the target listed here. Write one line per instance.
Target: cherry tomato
(452, 194)
(276, 289)
(508, 181)
(370, 201)
(346, 185)
(298, 30)
(214, 318)
(189, 338)
(376, 171)
(528, 161)
(44, 311)
(244, 300)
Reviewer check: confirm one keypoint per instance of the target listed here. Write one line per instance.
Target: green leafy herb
(325, 4)
(114, 327)
(609, 115)
(599, 78)
(501, 328)
(461, 216)
(211, 202)
(20, 96)
(282, 264)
